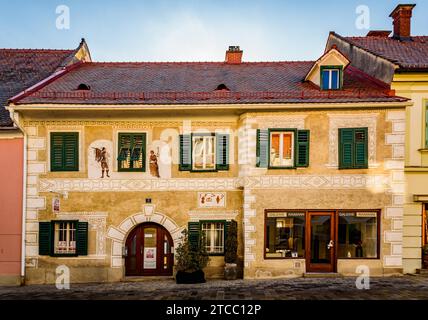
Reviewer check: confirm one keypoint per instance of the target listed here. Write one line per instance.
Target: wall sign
(211, 199)
(150, 258)
(55, 205)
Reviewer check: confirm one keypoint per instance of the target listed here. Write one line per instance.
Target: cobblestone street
(406, 287)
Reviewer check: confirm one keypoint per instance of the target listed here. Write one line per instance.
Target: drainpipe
(15, 117)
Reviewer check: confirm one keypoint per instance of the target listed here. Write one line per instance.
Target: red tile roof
(195, 83)
(22, 68)
(408, 55)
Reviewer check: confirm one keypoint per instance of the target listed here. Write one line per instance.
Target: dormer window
(331, 78)
(222, 87)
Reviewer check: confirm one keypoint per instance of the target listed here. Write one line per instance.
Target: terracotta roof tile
(195, 83)
(408, 55)
(22, 68)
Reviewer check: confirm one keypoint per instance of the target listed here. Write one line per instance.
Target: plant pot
(183, 277)
(230, 271)
(425, 261)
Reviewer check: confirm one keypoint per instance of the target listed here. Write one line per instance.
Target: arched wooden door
(149, 251)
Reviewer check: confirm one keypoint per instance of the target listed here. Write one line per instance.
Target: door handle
(330, 245)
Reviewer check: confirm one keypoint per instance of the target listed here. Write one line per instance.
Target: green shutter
(222, 152)
(82, 239)
(45, 238)
(302, 158)
(193, 234)
(346, 148)
(262, 148)
(361, 148)
(185, 152)
(131, 149)
(426, 126)
(64, 151)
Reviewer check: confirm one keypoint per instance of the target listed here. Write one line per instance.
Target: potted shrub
(191, 259)
(231, 252)
(425, 256)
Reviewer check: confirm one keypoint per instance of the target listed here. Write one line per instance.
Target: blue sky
(194, 30)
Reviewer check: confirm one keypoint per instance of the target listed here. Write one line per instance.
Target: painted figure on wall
(101, 158)
(154, 167)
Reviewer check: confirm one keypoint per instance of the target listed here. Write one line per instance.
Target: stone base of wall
(10, 280)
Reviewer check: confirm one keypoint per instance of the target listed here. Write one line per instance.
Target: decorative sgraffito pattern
(344, 181)
(394, 236)
(351, 121)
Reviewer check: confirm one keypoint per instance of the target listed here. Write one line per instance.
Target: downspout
(15, 118)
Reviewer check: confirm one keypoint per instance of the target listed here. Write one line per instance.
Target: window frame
(143, 154)
(425, 103)
(77, 135)
(331, 68)
(224, 222)
(294, 147)
(203, 134)
(53, 223)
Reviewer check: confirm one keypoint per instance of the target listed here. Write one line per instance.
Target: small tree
(231, 245)
(189, 257)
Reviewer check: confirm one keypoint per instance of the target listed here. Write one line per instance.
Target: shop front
(322, 237)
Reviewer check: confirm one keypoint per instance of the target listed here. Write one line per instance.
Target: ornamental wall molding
(197, 215)
(280, 121)
(340, 181)
(337, 121)
(125, 124)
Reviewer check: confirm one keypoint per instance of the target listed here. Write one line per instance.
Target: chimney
(402, 16)
(233, 55)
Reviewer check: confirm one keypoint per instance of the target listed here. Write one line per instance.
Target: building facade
(19, 70)
(401, 60)
(124, 156)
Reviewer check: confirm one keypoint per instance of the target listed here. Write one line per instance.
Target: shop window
(358, 235)
(131, 154)
(331, 78)
(204, 152)
(63, 238)
(285, 235)
(64, 151)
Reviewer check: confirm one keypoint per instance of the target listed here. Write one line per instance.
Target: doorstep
(322, 275)
(146, 278)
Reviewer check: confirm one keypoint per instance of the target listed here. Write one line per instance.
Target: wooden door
(320, 242)
(149, 250)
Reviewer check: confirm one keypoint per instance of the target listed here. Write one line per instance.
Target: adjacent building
(123, 156)
(20, 69)
(401, 61)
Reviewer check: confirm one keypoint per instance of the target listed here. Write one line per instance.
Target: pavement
(381, 288)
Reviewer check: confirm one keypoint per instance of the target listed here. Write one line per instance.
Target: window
(330, 78)
(204, 152)
(285, 235)
(353, 148)
(281, 149)
(203, 157)
(426, 125)
(131, 155)
(358, 235)
(64, 151)
(214, 235)
(63, 238)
